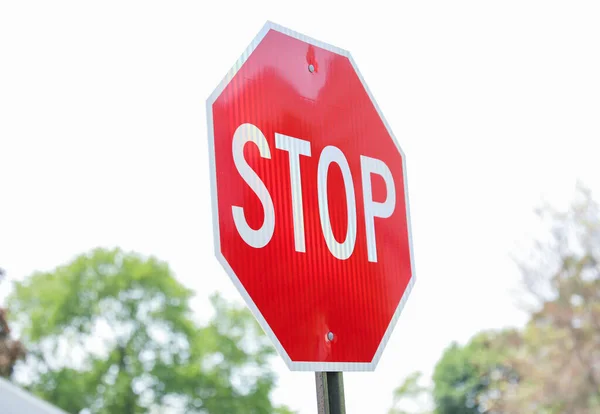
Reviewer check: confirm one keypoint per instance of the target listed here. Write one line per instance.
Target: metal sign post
(330, 393)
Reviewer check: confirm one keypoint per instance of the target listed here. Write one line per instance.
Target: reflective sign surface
(310, 202)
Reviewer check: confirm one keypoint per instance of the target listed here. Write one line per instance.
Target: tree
(410, 391)
(467, 379)
(552, 365)
(560, 357)
(112, 332)
(471, 379)
(11, 350)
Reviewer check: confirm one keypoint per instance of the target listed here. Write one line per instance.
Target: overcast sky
(103, 141)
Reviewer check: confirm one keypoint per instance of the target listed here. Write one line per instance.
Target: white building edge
(15, 400)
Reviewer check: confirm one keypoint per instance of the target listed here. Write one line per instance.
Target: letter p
(373, 208)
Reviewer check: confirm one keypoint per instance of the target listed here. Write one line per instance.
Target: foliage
(410, 390)
(11, 350)
(112, 332)
(468, 379)
(560, 356)
(552, 365)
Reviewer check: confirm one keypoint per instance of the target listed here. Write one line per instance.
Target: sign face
(310, 205)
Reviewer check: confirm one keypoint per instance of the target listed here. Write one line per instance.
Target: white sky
(103, 141)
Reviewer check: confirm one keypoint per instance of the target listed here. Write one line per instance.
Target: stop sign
(310, 206)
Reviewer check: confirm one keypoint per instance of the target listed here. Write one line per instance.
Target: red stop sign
(311, 218)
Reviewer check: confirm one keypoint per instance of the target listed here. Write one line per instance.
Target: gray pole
(330, 393)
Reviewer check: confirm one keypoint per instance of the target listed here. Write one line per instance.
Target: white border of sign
(295, 365)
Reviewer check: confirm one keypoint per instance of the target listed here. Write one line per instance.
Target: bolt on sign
(310, 202)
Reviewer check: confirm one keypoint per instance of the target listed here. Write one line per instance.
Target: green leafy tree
(471, 379)
(467, 379)
(112, 332)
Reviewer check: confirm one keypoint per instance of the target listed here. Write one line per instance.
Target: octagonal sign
(310, 205)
